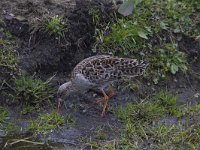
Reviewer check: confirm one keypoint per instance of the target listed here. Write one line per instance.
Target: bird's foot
(103, 101)
(105, 110)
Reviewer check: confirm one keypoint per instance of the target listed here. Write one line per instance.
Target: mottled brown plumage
(104, 67)
(97, 72)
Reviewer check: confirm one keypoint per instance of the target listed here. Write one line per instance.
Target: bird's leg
(110, 91)
(106, 98)
(103, 101)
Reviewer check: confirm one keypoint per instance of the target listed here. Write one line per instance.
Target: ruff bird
(98, 72)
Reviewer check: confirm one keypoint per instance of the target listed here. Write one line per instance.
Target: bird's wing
(105, 69)
(86, 65)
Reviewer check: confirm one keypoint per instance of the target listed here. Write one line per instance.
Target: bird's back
(104, 68)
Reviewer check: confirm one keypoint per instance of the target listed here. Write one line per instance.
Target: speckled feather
(103, 68)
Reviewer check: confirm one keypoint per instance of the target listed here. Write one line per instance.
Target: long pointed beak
(59, 105)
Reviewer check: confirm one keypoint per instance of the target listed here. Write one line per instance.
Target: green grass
(152, 32)
(190, 110)
(46, 123)
(26, 110)
(142, 123)
(30, 91)
(9, 69)
(95, 14)
(155, 107)
(126, 38)
(140, 112)
(55, 27)
(6, 126)
(8, 56)
(144, 128)
(168, 102)
(69, 120)
(3, 114)
(164, 61)
(100, 133)
(158, 138)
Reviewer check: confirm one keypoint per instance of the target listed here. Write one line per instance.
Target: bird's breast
(81, 83)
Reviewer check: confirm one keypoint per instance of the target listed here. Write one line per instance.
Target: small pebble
(20, 18)
(8, 17)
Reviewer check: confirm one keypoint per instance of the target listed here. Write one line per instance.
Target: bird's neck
(69, 87)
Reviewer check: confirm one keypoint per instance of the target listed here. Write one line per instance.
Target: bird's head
(63, 91)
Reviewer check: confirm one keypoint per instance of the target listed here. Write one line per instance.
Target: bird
(99, 72)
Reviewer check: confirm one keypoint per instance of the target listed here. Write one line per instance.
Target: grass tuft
(162, 103)
(46, 123)
(32, 92)
(56, 27)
